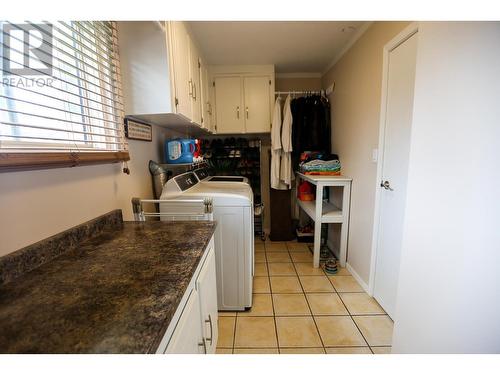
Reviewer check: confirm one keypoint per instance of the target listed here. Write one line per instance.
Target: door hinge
(176, 102)
(202, 119)
(199, 64)
(213, 83)
(269, 82)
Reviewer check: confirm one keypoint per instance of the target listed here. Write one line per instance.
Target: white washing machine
(234, 235)
(206, 175)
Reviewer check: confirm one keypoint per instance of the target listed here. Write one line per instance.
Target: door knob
(386, 185)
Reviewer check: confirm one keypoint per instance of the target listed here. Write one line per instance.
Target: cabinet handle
(209, 320)
(238, 112)
(190, 88)
(209, 108)
(194, 91)
(247, 112)
(204, 344)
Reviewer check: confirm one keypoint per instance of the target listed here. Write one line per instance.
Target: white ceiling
(305, 47)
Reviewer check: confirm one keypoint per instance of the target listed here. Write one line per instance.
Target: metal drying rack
(205, 209)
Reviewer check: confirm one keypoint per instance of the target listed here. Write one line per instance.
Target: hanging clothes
(311, 126)
(286, 174)
(276, 148)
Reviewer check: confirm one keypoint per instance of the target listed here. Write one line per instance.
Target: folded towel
(321, 166)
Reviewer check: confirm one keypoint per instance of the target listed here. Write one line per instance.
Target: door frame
(404, 35)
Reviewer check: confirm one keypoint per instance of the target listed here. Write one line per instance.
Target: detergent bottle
(179, 151)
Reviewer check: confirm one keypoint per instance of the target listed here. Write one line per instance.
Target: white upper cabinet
(229, 105)
(145, 69)
(206, 102)
(244, 97)
(194, 82)
(160, 69)
(257, 104)
(179, 42)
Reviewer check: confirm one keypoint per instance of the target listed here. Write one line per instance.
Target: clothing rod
(327, 92)
(298, 92)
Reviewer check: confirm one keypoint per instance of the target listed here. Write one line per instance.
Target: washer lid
(224, 194)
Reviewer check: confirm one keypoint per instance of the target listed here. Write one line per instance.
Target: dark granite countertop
(114, 293)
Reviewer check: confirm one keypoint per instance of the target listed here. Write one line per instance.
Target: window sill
(22, 161)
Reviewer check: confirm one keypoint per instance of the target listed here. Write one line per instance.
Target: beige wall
(297, 83)
(355, 126)
(37, 204)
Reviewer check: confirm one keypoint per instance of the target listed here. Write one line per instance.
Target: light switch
(375, 155)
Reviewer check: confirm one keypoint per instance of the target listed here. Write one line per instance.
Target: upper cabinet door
(229, 105)
(181, 62)
(206, 105)
(257, 104)
(194, 82)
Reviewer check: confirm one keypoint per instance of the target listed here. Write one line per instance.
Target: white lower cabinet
(193, 329)
(207, 289)
(187, 337)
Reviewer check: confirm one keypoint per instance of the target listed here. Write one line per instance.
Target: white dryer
(234, 235)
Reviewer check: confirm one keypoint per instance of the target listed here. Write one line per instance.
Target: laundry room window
(60, 95)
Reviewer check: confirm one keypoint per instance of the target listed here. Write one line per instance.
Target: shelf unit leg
(345, 224)
(317, 224)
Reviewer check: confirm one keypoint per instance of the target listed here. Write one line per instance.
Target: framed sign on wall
(138, 130)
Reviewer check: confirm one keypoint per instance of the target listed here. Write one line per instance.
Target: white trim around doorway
(409, 31)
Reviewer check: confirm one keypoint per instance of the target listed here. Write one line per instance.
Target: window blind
(60, 88)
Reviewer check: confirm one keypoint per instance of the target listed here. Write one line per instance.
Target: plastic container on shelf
(180, 151)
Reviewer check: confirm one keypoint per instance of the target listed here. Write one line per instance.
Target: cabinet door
(181, 62)
(257, 104)
(207, 288)
(229, 106)
(206, 105)
(187, 337)
(194, 82)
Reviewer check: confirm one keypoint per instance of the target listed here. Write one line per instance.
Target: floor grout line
(350, 315)
(272, 303)
(312, 315)
(309, 307)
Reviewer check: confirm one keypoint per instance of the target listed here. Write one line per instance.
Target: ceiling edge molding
(348, 45)
(299, 75)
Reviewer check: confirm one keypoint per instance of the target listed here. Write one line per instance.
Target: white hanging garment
(286, 175)
(276, 147)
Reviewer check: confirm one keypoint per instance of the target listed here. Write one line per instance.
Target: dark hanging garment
(311, 126)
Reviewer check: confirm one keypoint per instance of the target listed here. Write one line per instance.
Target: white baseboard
(358, 278)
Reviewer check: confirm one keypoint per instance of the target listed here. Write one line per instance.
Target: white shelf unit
(327, 211)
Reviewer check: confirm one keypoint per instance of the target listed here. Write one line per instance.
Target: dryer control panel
(202, 173)
(186, 181)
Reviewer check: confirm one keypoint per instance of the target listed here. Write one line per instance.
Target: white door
(187, 337)
(229, 107)
(399, 107)
(207, 287)
(181, 62)
(257, 104)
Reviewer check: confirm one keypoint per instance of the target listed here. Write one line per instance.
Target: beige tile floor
(298, 309)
